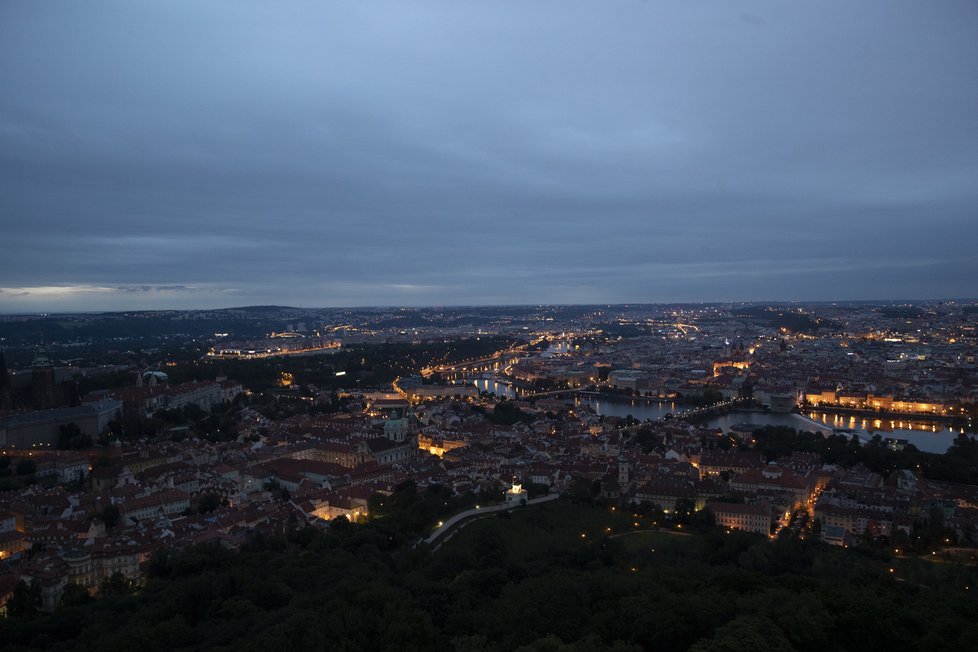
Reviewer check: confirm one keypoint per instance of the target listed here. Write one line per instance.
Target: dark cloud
(205, 153)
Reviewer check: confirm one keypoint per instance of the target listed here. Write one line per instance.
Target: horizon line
(499, 305)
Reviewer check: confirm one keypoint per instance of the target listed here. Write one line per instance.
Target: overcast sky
(202, 154)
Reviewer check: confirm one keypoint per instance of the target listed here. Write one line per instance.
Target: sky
(204, 153)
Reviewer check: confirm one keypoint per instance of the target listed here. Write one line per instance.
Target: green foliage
(746, 634)
(71, 437)
(110, 515)
(959, 464)
(528, 581)
(507, 414)
(25, 601)
(73, 595)
(25, 466)
(207, 503)
(647, 439)
(116, 584)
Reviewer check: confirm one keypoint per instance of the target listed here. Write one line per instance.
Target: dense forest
(562, 576)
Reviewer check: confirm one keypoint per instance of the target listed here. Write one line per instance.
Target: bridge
(553, 392)
(706, 410)
(476, 365)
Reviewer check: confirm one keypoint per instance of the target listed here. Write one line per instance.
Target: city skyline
(801, 304)
(192, 156)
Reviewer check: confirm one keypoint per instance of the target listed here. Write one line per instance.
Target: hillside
(553, 577)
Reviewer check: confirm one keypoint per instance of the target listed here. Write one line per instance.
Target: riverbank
(928, 435)
(876, 414)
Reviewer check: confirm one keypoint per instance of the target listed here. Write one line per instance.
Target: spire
(41, 357)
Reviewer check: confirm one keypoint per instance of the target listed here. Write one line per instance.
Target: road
(447, 526)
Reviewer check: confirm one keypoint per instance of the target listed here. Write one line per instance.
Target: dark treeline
(565, 576)
(959, 464)
(121, 326)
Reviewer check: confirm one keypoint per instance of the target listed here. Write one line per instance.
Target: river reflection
(638, 409)
(930, 436)
(493, 387)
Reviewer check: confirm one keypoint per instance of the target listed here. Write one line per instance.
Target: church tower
(623, 471)
(43, 389)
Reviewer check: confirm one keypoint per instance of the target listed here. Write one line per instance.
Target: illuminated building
(516, 495)
(721, 365)
(749, 518)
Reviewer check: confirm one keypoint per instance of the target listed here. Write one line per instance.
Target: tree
(703, 518)
(747, 634)
(208, 503)
(73, 595)
(25, 601)
(935, 522)
(110, 515)
(26, 467)
(711, 396)
(160, 563)
(116, 584)
(581, 490)
(647, 439)
(684, 507)
(490, 550)
(535, 489)
(70, 436)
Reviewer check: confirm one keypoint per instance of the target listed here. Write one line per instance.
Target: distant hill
(256, 309)
(790, 320)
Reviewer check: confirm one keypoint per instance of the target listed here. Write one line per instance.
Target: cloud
(55, 290)
(158, 288)
(359, 153)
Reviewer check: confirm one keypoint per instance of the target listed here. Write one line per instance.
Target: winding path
(447, 526)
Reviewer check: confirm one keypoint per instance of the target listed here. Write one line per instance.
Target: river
(930, 436)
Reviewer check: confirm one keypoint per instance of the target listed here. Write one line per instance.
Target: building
(516, 495)
(749, 518)
(163, 503)
(12, 542)
(714, 462)
(43, 427)
(783, 402)
(626, 378)
(432, 392)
